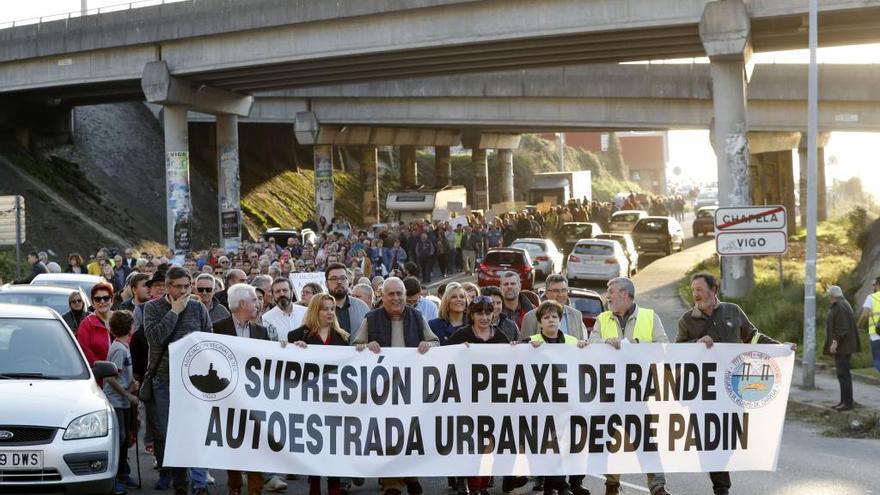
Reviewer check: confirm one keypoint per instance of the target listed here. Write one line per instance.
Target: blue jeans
(875, 353)
(162, 400)
(198, 477)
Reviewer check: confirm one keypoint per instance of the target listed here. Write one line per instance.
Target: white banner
(481, 410)
(299, 280)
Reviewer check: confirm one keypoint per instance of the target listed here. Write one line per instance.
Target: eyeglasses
(181, 286)
(336, 279)
(482, 300)
(205, 289)
(76, 301)
(101, 298)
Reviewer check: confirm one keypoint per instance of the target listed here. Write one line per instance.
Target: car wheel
(670, 248)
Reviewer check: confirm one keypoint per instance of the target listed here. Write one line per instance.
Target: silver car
(546, 258)
(58, 432)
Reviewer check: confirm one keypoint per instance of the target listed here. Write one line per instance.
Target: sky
(854, 154)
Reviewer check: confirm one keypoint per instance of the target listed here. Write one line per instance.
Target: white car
(629, 249)
(58, 432)
(47, 296)
(596, 259)
(623, 221)
(81, 281)
(546, 258)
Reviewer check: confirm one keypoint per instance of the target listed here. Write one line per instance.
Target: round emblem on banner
(752, 379)
(209, 371)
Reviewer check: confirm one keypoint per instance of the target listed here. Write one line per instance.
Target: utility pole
(83, 6)
(812, 199)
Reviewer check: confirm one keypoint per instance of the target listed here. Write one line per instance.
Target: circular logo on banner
(210, 371)
(752, 379)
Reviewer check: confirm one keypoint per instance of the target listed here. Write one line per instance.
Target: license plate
(21, 459)
(649, 241)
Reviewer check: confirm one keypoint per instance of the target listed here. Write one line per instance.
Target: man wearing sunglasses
(205, 286)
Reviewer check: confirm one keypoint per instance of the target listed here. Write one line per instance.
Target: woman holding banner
(480, 313)
(453, 312)
(320, 327)
(549, 315)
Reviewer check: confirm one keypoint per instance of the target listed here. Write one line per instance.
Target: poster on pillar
(230, 197)
(324, 195)
(179, 201)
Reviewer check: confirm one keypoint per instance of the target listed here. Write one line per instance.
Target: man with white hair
(628, 321)
(363, 292)
(841, 341)
(243, 304)
(206, 285)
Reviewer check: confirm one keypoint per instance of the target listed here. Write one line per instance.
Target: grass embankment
(780, 313)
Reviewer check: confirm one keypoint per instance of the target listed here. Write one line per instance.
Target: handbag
(145, 392)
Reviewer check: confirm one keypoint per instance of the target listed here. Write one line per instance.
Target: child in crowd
(120, 391)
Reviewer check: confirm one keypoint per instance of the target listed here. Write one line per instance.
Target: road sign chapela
(484, 410)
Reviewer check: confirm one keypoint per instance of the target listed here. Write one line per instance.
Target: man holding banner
(395, 325)
(628, 322)
(710, 321)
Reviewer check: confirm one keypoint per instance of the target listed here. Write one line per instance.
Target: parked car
(596, 259)
(546, 258)
(572, 232)
(623, 221)
(81, 281)
(662, 235)
(704, 223)
(506, 259)
(59, 431)
(36, 295)
(589, 303)
(629, 248)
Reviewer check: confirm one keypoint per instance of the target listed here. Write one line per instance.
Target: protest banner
(300, 279)
(481, 410)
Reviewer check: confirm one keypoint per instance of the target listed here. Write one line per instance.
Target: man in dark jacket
(37, 267)
(425, 256)
(841, 341)
(516, 304)
(243, 305)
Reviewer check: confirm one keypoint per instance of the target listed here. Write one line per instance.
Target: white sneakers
(275, 484)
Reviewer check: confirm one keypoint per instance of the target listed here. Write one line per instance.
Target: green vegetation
(780, 313)
(855, 424)
(7, 264)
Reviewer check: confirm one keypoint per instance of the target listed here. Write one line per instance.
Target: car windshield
(58, 302)
(625, 217)
(586, 304)
(583, 230)
(651, 226)
(39, 348)
(533, 248)
(504, 258)
(594, 249)
(705, 213)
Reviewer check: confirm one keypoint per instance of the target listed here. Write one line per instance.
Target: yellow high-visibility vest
(540, 337)
(875, 313)
(643, 332)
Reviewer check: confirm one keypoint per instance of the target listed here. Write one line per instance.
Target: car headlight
(91, 425)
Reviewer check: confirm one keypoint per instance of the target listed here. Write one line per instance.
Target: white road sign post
(751, 231)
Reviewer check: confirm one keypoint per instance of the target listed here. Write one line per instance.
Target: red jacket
(95, 339)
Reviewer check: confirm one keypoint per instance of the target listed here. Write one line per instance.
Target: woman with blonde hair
(453, 312)
(320, 327)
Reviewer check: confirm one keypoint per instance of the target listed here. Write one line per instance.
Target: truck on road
(560, 187)
(425, 204)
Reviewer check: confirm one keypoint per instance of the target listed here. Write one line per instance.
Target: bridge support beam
(725, 30)
(325, 197)
(772, 175)
(822, 192)
(370, 177)
(480, 201)
(408, 166)
(161, 88)
(178, 197)
(228, 182)
(442, 167)
(505, 160)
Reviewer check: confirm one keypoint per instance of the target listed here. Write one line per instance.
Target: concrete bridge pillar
(370, 177)
(505, 159)
(408, 166)
(725, 31)
(325, 197)
(480, 201)
(773, 182)
(442, 167)
(822, 192)
(228, 182)
(178, 198)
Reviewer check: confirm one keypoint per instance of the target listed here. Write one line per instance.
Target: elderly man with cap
(841, 341)
(636, 324)
(871, 314)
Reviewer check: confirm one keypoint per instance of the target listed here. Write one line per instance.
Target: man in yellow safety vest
(627, 321)
(871, 314)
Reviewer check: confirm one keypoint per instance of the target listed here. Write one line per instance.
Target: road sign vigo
(770, 217)
(751, 230)
(751, 243)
